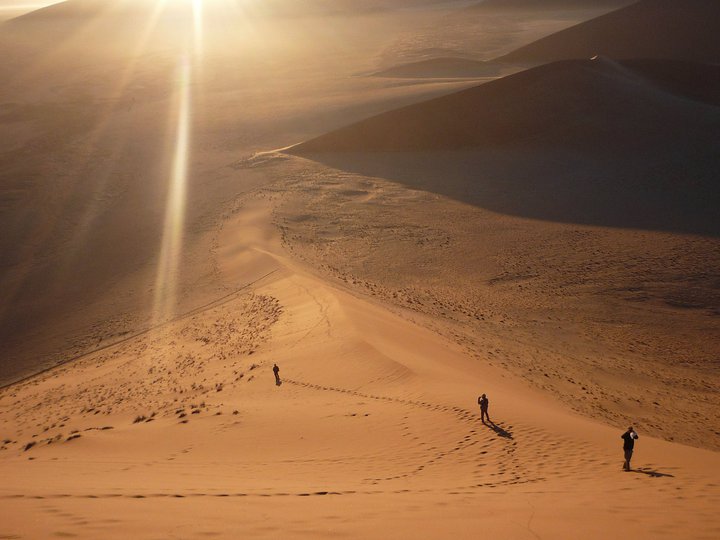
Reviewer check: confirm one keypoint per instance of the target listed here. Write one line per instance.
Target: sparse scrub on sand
(56, 438)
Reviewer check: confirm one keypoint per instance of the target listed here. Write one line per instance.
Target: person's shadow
(497, 428)
(649, 472)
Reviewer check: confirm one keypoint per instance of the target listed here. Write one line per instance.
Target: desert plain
(402, 205)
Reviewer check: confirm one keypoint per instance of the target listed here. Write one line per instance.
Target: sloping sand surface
(591, 126)
(646, 29)
(157, 258)
(87, 114)
(89, 105)
(577, 103)
(499, 5)
(373, 432)
(622, 326)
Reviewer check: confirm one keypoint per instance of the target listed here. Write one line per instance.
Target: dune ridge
(575, 284)
(507, 5)
(185, 423)
(647, 29)
(598, 103)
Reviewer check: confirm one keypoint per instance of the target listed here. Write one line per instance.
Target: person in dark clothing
(629, 438)
(276, 371)
(484, 402)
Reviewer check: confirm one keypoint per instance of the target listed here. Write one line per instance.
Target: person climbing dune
(276, 371)
(629, 438)
(484, 403)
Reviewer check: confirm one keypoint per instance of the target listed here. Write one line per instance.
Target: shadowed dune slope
(685, 30)
(582, 103)
(580, 141)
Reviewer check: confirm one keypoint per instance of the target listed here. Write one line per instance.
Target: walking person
(484, 402)
(629, 438)
(276, 371)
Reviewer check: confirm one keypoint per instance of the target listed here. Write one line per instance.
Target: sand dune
(373, 429)
(533, 265)
(507, 5)
(593, 127)
(90, 103)
(593, 103)
(647, 29)
(157, 258)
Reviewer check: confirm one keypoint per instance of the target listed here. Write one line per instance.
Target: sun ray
(197, 8)
(105, 118)
(167, 274)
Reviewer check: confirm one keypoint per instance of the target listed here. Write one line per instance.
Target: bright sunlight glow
(166, 279)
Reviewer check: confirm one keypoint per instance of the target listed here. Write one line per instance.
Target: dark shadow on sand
(595, 142)
(649, 472)
(501, 431)
(666, 189)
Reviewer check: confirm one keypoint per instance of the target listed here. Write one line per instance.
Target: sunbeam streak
(166, 280)
(197, 8)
